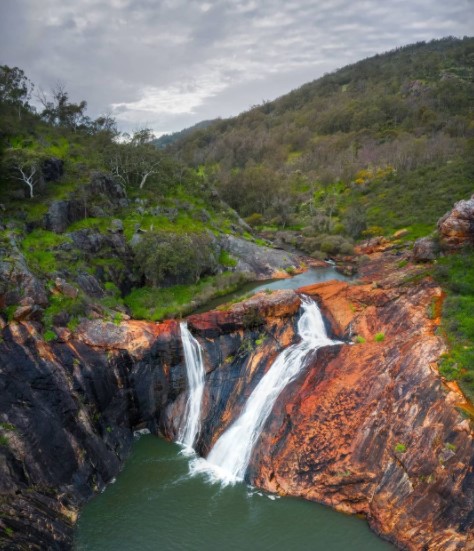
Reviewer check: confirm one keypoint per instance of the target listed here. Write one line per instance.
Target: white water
(190, 423)
(230, 456)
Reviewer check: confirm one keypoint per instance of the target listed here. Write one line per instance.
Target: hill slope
(385, 142)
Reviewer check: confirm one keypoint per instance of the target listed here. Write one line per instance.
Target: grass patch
(49, 335)
(226, 259)
(379, 337)
(400, 448)
(456, 274)
(39, 248)
(169, 302)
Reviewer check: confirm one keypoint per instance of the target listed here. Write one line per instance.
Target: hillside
(377, 146)
(167, 139)
(93, 225)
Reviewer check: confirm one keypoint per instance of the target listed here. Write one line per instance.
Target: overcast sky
(168, 64)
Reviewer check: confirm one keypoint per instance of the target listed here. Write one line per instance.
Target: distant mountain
(168, 139)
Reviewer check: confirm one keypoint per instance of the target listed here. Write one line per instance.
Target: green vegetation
(126, 215)
(456, 274)
(384, 143)
(159, 303)
(167, 256)
(379, 337)
(400, 448)
(40, 249)
(450, 446)
(49, 335)
(227, 260)
(359, 339)
(7, 426)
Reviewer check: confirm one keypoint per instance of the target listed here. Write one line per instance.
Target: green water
(154, 505)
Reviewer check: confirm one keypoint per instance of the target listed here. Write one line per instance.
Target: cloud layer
(170, 63)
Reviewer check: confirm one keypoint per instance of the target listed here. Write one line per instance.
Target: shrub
(400, 448)
(166, 258)
(49, 335)
(379, 337)
(359, 339)
(254, 219)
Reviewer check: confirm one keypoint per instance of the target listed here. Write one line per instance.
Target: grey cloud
(171, 63)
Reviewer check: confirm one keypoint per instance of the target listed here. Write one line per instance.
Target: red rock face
(370, 428)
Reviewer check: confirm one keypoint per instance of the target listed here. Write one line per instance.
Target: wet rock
(425, 249)
(456, 228)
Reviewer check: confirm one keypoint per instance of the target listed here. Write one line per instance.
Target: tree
(355, 220)
(135, 160)
(15, 88)
(24, 165)
(59, 111)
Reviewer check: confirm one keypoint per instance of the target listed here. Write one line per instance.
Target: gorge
(348, 411)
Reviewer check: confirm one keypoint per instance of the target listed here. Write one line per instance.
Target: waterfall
(195, 372)
(230, 456)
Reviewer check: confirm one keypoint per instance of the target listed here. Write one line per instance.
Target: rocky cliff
(367, 428)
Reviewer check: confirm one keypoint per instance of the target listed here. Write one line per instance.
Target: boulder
(58, 217)
(28, 312)
(264, 262)
(65, 288)
(116, 226)
(89, 284)
(456, 228)
(425, 249)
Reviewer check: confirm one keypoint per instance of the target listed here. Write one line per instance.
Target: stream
(161, 501)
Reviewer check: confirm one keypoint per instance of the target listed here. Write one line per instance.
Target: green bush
(359, 339)
(49, 335)
(379, 337)
(400, 448)
(166, 258)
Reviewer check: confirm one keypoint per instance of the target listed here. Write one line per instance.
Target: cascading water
(230, 456)
(195, 373)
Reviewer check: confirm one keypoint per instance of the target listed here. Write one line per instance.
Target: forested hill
(168, 139)
(381, 144)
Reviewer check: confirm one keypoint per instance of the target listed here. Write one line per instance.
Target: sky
(168, 64)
